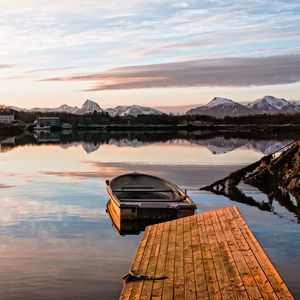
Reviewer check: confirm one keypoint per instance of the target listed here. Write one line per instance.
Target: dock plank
(189, 280)
(232, 272)
(152, 264)
(243, 269)
(161, 263)
(224, 282)
(265, 263)
(200, 276)
(137, 286)
(179, 288)
(209, 267)
(213, 255)
(126, 292)
(168, 283)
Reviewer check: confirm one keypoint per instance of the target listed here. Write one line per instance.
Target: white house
(6, 116)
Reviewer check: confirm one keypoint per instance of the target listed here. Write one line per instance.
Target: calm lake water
(58, 242)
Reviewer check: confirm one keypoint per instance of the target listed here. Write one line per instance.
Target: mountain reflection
(91, 141)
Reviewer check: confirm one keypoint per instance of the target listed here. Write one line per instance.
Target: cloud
(51, 69)
(226, 72)
(5, 186)
(4, 66)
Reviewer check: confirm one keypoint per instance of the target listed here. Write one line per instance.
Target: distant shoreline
(158, 132)
(194, 127)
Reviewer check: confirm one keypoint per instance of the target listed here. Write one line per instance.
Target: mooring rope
(287, 145)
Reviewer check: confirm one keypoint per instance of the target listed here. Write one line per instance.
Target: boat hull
(133, 221)
(149, 210)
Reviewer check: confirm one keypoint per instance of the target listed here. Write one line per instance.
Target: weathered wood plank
(161, 263)
(256, 271)
(228, 259)
(141, 270)
(273, 276)
(189, 274)
(213, 255)
(245, 274)
(209, 267)
(168, 289)
(179, 288)
(126, 292)
(152, 264)
(200, 276)
(224, 282)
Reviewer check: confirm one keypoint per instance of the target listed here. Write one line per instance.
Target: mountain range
(90, 106)
(221, 107)
(217, 107)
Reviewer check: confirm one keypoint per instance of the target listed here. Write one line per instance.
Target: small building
(7, 116)
(48, 121)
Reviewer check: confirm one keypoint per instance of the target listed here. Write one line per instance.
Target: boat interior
(147, 188)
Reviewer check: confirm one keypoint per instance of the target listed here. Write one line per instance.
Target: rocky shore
(270, 174)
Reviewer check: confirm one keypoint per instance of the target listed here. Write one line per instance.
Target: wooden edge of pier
(212, 255)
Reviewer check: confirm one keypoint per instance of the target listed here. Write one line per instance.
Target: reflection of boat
(125, 227)
(42, 128)
(137, 196)
(46, 136)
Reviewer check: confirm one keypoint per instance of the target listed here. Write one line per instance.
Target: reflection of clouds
(56, 268)
(192, 176)
(33, 180)
(14, 211)
(105, 171)
(5, 186)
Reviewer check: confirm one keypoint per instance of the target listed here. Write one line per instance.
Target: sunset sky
(147, 52)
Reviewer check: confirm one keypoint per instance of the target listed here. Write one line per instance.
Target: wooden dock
(212, 255)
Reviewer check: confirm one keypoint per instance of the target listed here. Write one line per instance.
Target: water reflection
(56, 239)
(216, 143)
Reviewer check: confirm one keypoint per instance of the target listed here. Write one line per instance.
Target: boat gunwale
(184, 203)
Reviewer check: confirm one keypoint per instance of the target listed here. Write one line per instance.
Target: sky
(147, 52)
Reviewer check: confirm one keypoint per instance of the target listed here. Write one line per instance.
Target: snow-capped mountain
(63, 108)
(268, 104)
(67, 109)
(133, 110)
(221, 107)
(89, 107)
(219, 101)
(217, 107)
(293, 107)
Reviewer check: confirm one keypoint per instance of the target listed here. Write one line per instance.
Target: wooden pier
(212, 255)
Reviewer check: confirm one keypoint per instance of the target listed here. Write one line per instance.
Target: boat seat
(151, 200)
(139, 190)
(138, 187)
